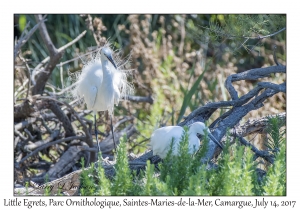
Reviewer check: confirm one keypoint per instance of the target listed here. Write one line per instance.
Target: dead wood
(70, 183)
(23, 110)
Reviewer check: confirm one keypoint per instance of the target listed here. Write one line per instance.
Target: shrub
(234, 174)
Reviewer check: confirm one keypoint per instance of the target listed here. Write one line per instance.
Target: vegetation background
(168, 55)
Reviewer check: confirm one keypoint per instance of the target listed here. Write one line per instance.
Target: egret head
(106, 54)
(198, 127)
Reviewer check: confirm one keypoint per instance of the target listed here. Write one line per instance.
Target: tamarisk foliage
(234, 173)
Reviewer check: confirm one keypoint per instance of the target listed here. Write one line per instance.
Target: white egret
(102, 85)
(161, 139)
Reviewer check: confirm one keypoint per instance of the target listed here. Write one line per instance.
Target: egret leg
(96, 132)
(112, 131)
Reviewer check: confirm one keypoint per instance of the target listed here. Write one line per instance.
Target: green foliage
(47, 188)
(88, 186)
(197, 183)
(59, 191)
(243, 31)
(159, 61)
(149, 122)
(234, 173)
(150, 183)
(22, 22)
(276, 135)
(188, 96)
(153, 185)
(195, 164)
(179, 166)
(122, 183)
(237, 26)
(275, 180)
(26, 188)
(165, 166)
(103, 183)
(184, 174)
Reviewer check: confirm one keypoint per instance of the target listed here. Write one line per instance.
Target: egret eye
(107, 53)
(200, 136)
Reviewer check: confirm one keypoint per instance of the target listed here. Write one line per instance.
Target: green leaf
(22, 22)
(188, 96)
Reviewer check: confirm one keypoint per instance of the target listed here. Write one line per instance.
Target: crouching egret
(161, 139)
(101, 84)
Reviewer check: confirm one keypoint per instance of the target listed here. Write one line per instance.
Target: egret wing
(161, 140)
(90, 97)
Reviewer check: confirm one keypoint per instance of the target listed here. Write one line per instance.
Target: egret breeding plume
(102, 84)
(161, 139)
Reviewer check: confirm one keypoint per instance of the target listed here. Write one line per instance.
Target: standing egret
(102, 85)
(161, 139)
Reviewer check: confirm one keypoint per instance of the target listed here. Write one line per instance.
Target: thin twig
(40, 143)
(72, 42)
(264, 154)
(147, 99)
(125, 119)
(274, 55)
(17, 92)
(25, 38)
(229, 36)
(34, 72)
(28, 73)
(30, 137)
(79, 57)
(16, 132)
(63, 91)
(89, 22)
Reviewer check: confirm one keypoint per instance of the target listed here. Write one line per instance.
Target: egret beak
(111, 60)
(215, 140)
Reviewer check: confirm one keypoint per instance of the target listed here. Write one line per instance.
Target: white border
(140, 7)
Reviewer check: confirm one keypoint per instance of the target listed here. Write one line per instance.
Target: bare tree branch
(43, 76)
(252, 74)
(274, 55)
(23, 110)
(255, 125)
(107, 144)
(88, 139)
(147, 99)
(28, 74)
(279, 88)
(42, 142)
(52, 105)
(264, 154)
(48, 145)
(66, 162)
(59, 50)
(24, 38)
